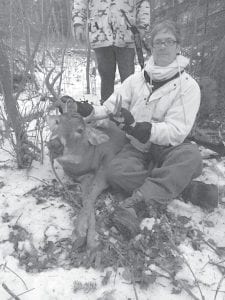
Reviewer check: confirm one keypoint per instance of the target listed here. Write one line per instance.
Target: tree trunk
(88, 56)
(11, 107)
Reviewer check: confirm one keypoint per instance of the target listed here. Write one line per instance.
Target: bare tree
(24, 148)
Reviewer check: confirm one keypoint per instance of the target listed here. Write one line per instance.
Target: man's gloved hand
(79, 33)
(123, 118)
(84, 108)
(141, 131)
(120, 115)
(81, 107)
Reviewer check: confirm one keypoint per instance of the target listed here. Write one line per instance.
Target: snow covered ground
(28, 224)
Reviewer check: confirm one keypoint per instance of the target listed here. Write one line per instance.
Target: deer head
(71, 127)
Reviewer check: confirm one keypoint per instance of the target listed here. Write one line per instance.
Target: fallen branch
(210, 246)
(28, 291)
(218, 286)
(184, 260)
(129, 268)
(221, 268)
(10, 292)
(18, 218)
(133, 284)
(64, 187)
(6, 267)
(192, 272)
(181, 283)
(218, 148)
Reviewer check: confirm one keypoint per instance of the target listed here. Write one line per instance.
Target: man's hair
(167, 25)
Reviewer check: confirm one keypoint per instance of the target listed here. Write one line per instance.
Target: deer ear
(52, 122)
(96, 136)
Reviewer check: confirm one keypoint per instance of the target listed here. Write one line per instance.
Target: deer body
(84, 155)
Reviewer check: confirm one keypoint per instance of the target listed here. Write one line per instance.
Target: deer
(83, 157)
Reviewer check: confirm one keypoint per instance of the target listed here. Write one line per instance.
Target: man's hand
(141, 131)
(121, 116)
(81, 107)
(79, 33)
(125, 120)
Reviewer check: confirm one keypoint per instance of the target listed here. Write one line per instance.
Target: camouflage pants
(107, 59)
(161, 175)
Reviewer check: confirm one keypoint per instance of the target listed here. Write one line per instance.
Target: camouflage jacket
(107, 25)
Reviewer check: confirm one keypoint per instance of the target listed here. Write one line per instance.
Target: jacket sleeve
(125, 91)
(79, 12)
(179, 119)
(143, 14)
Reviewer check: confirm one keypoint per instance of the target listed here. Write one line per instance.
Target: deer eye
(79, 130)
(57, 122)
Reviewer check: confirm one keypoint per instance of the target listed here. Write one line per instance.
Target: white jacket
(171, 109)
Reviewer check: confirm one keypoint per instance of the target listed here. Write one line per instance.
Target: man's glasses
(167, 43)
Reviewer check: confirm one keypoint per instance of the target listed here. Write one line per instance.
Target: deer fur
(87, 150)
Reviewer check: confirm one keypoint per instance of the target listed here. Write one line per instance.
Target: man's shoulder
(189, 80)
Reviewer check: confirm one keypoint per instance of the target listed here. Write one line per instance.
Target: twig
(133, 284)
(24, 292)
(210, 246)
(187, 290)
(4, 161)
(10, 292)
(159, 274)
(185, 261)
(130, 268)
(62, 64)
(221, 268)
(32, 56)
(180, 282)
(6, 267)
(18, 218)
(220, 262)
(218, 286)
(63, 185)
(195, 278)
(29, 176)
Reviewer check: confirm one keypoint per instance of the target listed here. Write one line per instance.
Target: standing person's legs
(106, 60)
(125, 61)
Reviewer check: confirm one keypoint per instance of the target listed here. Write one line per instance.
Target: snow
(52, 221)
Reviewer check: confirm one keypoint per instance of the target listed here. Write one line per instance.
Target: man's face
(165, 48)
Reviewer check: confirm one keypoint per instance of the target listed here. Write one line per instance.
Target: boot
(201, 194)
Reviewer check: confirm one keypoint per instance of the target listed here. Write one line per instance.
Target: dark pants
(169, 171)
(107, 59)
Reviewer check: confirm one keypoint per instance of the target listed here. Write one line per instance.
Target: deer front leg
(85, 222)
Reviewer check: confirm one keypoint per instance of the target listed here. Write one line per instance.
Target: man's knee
(125, 172)
(190, 153)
